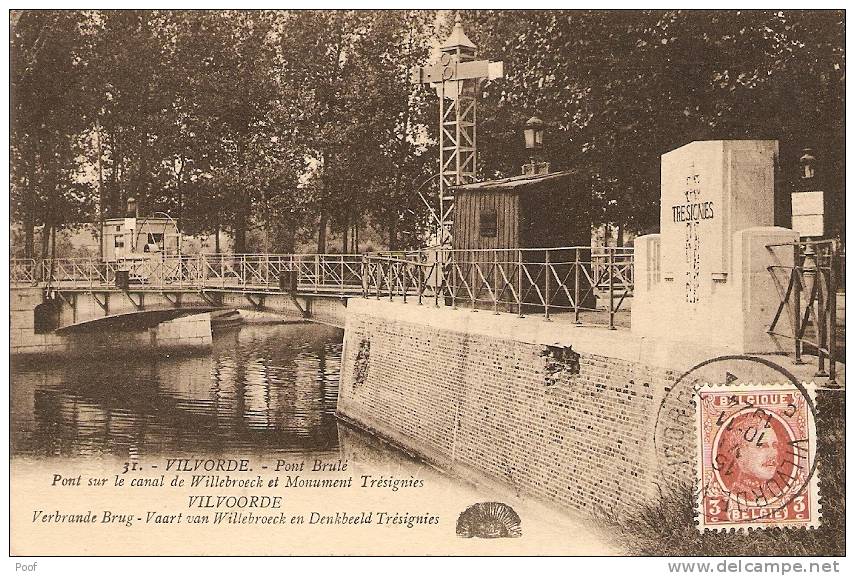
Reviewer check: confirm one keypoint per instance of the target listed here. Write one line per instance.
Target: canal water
(266, 393)
(269, 389)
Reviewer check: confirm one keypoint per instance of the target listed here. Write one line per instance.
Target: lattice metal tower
(456, 78)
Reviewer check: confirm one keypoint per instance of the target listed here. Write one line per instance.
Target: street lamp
(808, 201)
(533, 132)
(807, 164)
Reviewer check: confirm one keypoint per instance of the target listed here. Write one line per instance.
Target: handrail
(541, 280)
(314, 273)
(808, 295)
(547, 280)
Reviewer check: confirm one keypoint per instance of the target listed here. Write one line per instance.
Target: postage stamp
(756, 462)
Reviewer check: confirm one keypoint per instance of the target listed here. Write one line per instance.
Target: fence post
(364, 274)
(577, 269)
(832, 313)
(797, 301)
(454, 285)
(547, 270)
(496, 283)
(420, 279)
(341, 276)
(379, 273)
(404, 266)
(389, 279)
(821, 318)
(436, 272)
(611, 288)
(475, 273)
(519, 283)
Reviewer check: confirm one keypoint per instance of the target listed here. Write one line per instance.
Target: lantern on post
(808, 201)
(807, 166)
(533, 133)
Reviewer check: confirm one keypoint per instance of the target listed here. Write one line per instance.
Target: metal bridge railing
(546, 281)
(23, 271)
(543, 281)
(306, 273)
(808, 295)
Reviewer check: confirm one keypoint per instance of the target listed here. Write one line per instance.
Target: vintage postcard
(426, 282)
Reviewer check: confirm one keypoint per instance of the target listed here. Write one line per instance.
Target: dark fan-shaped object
(489, 520)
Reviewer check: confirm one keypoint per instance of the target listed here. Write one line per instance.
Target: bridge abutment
(186, 333)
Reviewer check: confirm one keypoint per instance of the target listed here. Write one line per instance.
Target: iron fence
(808, 298)
(23, 271)
(546, 281)
(308, 273)
(543, 281)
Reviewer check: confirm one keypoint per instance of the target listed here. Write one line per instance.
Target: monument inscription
(692, 213)
(710, 190)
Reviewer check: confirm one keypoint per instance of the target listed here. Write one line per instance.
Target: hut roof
(513, 183)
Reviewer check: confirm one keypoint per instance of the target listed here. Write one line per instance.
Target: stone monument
(704, 279)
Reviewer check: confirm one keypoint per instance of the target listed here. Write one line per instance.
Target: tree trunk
(113, 193)
(240, 236)
(217, 238)
(45, 237)
(620, 234)
(142, 178)
(393, 233)
(322, 233)
(290, 239)
(356, 237)
(29, 236)
(101, 197)
(180, 190)
(344, 229)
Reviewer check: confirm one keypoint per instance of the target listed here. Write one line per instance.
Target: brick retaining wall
(483, 403)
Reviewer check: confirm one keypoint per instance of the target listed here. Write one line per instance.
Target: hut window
(488, 223)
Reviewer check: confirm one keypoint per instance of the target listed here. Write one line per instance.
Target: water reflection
(262, 388)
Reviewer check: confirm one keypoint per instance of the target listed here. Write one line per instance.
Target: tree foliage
(229, 120)
(621, 88)
(302, 122)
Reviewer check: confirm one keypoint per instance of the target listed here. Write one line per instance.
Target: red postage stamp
(757, 457)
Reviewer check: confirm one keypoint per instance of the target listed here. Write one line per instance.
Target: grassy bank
(666, 527)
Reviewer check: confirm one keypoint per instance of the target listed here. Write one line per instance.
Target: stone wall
(22, 337)
(562, 413)
(192, 331)
(187, 333)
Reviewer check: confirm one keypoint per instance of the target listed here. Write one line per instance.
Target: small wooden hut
(493, 220)
(545, 211)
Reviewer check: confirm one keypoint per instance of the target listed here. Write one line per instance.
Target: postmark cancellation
(756, 464)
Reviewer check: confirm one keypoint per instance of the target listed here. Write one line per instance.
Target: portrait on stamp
(757, 459)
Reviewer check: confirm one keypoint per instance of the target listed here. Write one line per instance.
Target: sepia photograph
(428, 282)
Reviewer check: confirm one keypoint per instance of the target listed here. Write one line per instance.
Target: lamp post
(533, 133)
(808, 200)
(807, 167)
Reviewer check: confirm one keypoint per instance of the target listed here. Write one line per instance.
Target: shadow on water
(261, 389)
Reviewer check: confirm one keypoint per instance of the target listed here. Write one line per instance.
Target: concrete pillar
(646, 263)
(759, 296)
